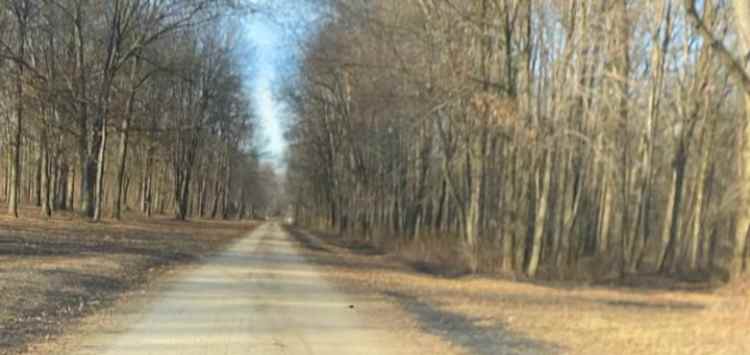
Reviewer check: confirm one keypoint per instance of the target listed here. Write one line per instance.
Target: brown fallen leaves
(486, 315)
(55, 271)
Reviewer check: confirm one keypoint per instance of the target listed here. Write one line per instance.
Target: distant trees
(540, 135)
(116, 104)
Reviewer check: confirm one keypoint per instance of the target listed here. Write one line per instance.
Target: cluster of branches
(124, 103)
(552, 136)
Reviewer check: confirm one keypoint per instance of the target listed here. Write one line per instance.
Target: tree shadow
(74, 293)
(24, 246)
(474, 334)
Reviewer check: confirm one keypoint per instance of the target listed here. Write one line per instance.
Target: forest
(551, 139)
(127, 105)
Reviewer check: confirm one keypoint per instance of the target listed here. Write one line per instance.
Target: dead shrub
(435, 254)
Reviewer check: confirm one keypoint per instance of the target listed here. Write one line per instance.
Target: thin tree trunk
(38, 178)
(540, 217)
(739, 69)
(99, 197)
(739, 262)
(44, 190)
(15, 186)
(605, 213)
(670, 227)
(124, 135)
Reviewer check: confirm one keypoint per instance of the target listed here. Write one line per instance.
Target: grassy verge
(485, 315)
(55, 271)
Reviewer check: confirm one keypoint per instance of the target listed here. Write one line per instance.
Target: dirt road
(258, 297)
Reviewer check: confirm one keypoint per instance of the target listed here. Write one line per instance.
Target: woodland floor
(53, 272)
(487, 315)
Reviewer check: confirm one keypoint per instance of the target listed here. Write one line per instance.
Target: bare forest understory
(124, 112)
(482, 314)
(571, 140)
(515, 173)
(55, 271)
(128, 104)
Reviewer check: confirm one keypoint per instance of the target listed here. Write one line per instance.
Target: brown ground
(54, 272)
(483, 315)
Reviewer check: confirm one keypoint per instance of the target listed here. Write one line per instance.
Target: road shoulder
(88, 273)
(486, 314)
(428, 323)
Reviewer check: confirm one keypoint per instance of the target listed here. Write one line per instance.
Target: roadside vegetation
(119, 121)
(521, 176)
(575, 140)
(128, 104)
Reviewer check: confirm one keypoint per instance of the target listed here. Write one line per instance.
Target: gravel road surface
(260, 296)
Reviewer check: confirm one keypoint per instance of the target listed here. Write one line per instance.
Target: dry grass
(491, 316)
(55, 271)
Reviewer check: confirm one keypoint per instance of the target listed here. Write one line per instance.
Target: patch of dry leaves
(492, 316)
(55, 271)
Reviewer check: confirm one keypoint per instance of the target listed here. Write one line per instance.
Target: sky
(266, 68)
(276, 35)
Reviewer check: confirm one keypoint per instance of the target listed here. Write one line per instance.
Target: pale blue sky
(276, 35)
(268, 55)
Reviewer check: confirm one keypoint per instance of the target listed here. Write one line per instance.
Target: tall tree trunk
(738, 67)
(217, 196)
(202, 194)
(99, 196)
(605, 213)
(540, 216)
(123, 151)
(86, 136)
(38, 179)
(15, 186)
(740, 262)
(471, 225)
(71, 189)
(697, 215)
(44, 190)
(226, 190)
(671, 226)
(121, 163)
(147, 195)
(438, 221)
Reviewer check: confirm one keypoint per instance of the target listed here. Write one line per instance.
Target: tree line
(125, 104)
(538, 137)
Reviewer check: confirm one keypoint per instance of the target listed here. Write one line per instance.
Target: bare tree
(539, 137)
